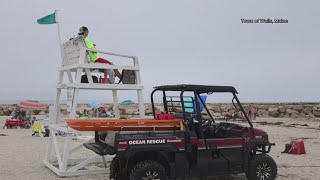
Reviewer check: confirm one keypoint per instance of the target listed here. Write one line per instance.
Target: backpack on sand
(128, 77)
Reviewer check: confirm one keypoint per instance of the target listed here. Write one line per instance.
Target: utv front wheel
(148, 170)
(115, 173)
(262, 167)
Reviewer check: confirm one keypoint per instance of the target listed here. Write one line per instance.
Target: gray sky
(180, 41)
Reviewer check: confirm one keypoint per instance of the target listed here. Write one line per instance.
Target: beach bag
(287, 149)
(47, 132)
(84, 79)
(128, 77)
(295, 147)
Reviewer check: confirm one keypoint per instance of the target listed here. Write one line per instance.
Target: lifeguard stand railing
(74, 64)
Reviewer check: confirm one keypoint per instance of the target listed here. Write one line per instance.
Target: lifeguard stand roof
(197, 88)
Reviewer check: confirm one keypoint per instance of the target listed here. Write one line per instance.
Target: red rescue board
(122, 124)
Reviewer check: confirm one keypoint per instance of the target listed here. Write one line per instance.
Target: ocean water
(147, 101)
(45, 101)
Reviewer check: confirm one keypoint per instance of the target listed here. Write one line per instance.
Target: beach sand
(21, 154)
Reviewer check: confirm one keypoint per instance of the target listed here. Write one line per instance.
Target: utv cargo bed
(100, 124)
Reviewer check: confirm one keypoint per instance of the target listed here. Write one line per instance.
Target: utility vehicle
(200, 147)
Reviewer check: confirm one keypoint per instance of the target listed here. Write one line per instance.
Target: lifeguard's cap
(82, 30)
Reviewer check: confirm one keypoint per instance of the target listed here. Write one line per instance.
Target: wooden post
(66, 152)
(57, 101)
(76, 94)
(115, 104)
(139, 91)
(141, 104)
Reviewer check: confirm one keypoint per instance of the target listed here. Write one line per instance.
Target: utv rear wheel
(262, 167)
(148, 170)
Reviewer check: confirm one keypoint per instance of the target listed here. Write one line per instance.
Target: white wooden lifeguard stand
(74, 63)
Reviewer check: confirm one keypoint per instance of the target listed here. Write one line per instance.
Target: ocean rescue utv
(200, 147)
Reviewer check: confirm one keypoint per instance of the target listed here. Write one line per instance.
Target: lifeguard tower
(74, 64)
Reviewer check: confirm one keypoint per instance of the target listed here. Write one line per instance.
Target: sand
(21, 154)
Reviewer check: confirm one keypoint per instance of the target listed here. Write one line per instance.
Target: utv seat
(209, 132)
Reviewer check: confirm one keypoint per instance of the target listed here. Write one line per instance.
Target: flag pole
(58, 27)
(59, 35)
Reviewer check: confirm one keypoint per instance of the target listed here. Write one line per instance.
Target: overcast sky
(177, 41)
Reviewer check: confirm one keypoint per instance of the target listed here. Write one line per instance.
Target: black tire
(115, 173)
(262, 165)
(148, 170)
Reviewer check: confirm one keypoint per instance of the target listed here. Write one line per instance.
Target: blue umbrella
(127, 102)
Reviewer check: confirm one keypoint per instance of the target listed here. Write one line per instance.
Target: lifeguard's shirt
(93, 56)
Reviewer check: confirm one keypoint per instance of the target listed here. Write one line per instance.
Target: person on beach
(94, 57)
(251, 112)
(254, 113)
(22, 115)
(36, 127)
(102, 112)
(33, 120)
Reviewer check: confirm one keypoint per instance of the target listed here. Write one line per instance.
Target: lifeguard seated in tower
(94, 57)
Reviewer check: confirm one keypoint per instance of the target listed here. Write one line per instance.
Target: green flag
(50, 19)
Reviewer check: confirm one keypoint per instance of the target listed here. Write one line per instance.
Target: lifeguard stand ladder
(74, 63)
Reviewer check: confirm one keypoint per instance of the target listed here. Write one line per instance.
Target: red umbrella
(32, 104)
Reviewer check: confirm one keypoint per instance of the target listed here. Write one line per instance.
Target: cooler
(297, 147)
(165, 117)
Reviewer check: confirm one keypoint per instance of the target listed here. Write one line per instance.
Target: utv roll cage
(197, 91)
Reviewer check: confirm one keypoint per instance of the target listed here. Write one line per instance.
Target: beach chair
(75, 57)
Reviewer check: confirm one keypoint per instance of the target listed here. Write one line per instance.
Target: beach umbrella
(32, 104)
(127, 102)
(95, 105)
